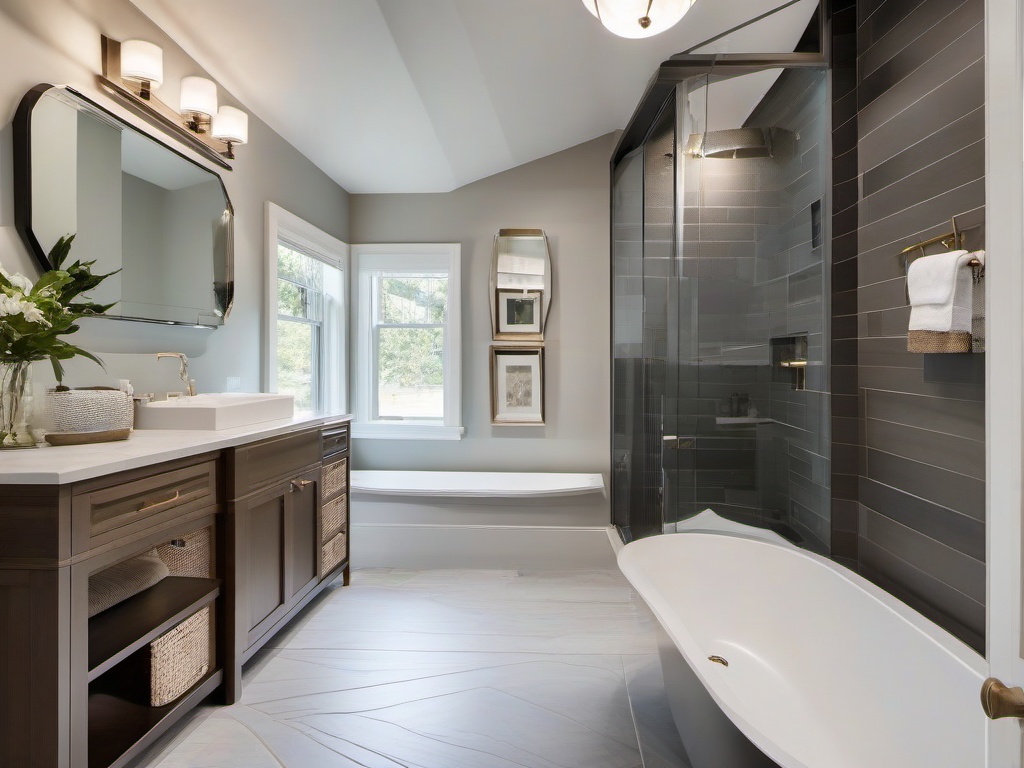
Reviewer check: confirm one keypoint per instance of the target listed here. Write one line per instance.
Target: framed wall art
(517, 385)
(519, 312)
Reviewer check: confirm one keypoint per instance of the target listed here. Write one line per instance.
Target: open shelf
(120, 730)
(118, 632)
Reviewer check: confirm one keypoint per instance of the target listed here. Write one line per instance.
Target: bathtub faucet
(190, 384)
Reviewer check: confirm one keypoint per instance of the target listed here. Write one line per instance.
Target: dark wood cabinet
(276, 521)
(253, 536)
(68, 698)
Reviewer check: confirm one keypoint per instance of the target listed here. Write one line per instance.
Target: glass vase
(16, 405)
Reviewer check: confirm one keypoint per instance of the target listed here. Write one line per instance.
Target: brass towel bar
(950, 240)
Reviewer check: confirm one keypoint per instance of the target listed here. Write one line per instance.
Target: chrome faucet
(190, 384)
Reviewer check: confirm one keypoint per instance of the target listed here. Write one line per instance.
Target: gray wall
(566, 195)
(58, 41)
(919, 424)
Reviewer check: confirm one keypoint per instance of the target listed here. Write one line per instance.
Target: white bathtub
(825, 670)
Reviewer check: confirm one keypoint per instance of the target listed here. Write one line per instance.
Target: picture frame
(517, 385)
(519, 313)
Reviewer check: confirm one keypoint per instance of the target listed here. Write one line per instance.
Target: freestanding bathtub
(776, 656)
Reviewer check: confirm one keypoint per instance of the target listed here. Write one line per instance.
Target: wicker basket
(334, 516)
(180, 658)
(333, 552)
(335, 478)
(194, 559)
(938, 342)
(90, 410)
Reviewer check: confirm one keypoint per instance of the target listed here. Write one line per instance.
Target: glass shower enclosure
(720, 280)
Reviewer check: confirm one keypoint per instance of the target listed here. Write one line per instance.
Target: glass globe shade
(624, 17)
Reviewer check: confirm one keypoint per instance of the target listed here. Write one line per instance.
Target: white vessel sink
(214, 411)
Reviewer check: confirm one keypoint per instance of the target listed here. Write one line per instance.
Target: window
(306, 334)
(408, 346)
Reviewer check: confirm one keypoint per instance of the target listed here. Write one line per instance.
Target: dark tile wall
(909, 427)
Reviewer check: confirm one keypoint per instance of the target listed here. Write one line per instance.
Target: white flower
(32, 313)
(9, 306)
(21, 282)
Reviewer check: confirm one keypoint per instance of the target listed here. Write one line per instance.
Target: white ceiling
(429, 95)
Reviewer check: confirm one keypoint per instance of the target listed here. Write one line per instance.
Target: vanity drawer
(335, 440)
(335, 478)
(334, 517)
(262, 464)
(333, 553)
(135, 503)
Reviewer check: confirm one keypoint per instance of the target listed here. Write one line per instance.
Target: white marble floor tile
(449, 669)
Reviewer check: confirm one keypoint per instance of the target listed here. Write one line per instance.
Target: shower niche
(720, 238)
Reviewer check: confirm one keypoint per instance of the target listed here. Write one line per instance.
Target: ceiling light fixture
(638, 18)
(132, 70)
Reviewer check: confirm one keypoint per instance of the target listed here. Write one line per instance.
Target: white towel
(940, 292)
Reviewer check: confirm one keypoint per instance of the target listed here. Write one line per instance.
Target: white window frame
(409, 256)
(284, 225)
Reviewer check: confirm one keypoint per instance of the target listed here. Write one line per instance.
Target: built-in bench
(437, 519)
(474, 485)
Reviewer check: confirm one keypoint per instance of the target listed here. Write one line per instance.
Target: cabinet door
(265, 555)
(302, 537)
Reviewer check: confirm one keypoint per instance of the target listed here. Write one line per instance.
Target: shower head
(735, 143)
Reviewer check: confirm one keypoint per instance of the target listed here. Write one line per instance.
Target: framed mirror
(520, 284)
(133, 203)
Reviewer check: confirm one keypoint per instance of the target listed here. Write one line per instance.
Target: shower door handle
(675, 442)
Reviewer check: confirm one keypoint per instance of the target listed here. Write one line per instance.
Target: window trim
(284, 225)
(363, 371)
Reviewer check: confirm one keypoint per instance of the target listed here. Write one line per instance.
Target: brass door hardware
(157, 504)
(1000, 701)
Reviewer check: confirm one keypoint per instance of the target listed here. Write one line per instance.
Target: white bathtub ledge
(474, 485)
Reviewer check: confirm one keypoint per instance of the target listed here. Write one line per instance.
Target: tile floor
(449, 669)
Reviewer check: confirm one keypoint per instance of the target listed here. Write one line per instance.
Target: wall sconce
(142, 63)
(198, 103)
(133, 69)
(231, 126)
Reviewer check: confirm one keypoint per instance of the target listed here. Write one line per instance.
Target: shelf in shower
(741, 421)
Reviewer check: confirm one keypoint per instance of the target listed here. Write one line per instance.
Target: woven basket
(938, 342)
(180, 658)
(333, 552)
(90, 410)
(334, 516)
(335, 478)
(195, 559)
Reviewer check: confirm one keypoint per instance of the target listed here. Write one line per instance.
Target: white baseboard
(506, 547)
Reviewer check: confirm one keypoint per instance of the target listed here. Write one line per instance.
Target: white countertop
(54, 465)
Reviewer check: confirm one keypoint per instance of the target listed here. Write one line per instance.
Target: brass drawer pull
(158, 504)
(301, 485)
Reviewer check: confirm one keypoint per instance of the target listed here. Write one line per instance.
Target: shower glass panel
(753, 259)
(720, 268)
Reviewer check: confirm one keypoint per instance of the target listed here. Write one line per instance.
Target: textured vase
(16, 405)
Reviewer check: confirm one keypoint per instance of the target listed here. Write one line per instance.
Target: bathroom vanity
(252, 524)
